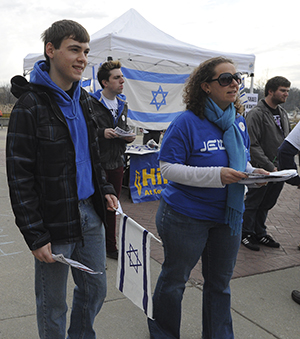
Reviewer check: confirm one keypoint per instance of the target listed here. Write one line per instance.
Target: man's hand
(230, 176)
(109, 133)
(112, 202)
(129, 138)
(44, 254)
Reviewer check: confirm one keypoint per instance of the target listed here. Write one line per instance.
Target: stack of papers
(122, 133)
(256, 178)
(60, 258)
(140, 149)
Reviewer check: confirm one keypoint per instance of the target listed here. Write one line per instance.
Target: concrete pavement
(261, 304)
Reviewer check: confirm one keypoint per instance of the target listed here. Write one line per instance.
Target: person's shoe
(250, 242)
(113, 255)
(267, 240)
(296, 296)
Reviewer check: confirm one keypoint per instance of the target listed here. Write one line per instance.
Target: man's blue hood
(40, 76)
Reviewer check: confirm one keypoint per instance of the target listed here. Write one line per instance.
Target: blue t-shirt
(192, 141)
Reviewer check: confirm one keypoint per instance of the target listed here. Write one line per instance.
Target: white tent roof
(132, 37)
(30, 60)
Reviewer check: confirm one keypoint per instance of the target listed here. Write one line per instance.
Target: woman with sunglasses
(204, 154)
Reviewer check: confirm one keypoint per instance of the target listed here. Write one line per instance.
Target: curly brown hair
(194, 96)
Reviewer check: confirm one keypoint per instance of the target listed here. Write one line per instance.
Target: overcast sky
(267, 28)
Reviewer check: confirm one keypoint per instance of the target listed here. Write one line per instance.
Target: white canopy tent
(155, 66)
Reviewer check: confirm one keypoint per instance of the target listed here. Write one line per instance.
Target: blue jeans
(185, 240)
(90, 290)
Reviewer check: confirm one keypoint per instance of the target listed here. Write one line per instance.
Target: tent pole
(94, 79)
(252, 83)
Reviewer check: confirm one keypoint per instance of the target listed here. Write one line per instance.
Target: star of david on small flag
(133, 272)
(159, 95)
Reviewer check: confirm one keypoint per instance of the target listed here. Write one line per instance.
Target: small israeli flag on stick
(133, 272)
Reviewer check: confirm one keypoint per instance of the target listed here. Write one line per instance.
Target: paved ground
(283, 224)
(261, 304)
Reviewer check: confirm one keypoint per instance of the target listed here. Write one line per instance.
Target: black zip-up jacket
(41, 167)
(113, 149)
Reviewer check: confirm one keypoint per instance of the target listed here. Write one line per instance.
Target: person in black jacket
(286, 160)
(57, 186)
(111, 111)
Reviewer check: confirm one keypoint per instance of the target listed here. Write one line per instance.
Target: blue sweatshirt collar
(69, 106)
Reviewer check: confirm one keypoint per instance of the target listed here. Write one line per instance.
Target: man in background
(267, 125)
(111, 108)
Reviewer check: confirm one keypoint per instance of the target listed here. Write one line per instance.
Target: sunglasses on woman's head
(226, 79)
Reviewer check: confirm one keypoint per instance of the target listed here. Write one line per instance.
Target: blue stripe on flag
(122, 271)
(162, 78)
(152, 117)
(86, 83)
(145, 278)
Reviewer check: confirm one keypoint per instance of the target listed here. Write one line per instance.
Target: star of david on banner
(159, 95)
(133, 272)
(154, 93)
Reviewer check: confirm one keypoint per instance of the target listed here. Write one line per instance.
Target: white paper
(256, 178)
(60, 258)
(122, 133)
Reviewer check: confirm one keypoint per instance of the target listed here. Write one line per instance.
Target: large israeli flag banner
(133, 272)
(154, 94)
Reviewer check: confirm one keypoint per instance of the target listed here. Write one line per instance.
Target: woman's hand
(261, 171)
(230, 176)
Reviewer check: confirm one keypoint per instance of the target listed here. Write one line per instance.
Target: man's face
(68, 62)
(114, 85)
(280, 95)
